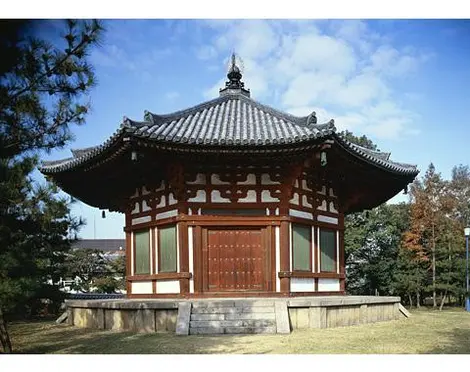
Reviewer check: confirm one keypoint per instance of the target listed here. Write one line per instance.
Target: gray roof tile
(229, 120)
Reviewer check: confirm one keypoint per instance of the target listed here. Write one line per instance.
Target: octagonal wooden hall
(231, 198)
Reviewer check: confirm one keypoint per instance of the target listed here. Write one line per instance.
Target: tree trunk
(4, 336)
(411, 300)
(434, 301)
(443, 300)
(418, 300)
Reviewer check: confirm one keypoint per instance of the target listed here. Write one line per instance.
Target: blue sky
(404, 84)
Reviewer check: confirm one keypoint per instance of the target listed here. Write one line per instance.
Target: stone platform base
(215, 316)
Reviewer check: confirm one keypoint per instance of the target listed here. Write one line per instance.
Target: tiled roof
(232, 120)
(105, 245)
(378, 158)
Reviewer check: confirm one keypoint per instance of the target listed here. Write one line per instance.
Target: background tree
(92, 270)
(429, 207)
(361, 141)
(85, 266)
(43, 89)
(372, 240)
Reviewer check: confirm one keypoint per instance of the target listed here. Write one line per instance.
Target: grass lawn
(425, 332)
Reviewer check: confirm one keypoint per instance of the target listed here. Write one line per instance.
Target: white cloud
(342, 66)
(206, 52)
(141, 64)
(172, 95)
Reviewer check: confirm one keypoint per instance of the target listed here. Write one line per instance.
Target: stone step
(232, 323)
(234, 316)
(232, 310)
(206, 331)
(250, 330)
(234, 303)
(232, 330)
(207, 317)
(245, 316)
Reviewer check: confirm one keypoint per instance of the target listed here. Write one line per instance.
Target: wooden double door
(236, 259)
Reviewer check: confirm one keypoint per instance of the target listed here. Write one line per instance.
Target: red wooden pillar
(342, 281)
(128, 262)
(284, 256)
(183, 256)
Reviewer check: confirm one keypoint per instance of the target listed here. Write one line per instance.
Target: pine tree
(43, 89)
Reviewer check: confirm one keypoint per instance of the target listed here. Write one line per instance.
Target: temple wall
(210, 193)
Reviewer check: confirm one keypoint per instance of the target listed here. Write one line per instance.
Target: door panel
(236, 260)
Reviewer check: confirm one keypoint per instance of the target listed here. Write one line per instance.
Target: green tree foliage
(93, 271)
(43, 89)
(372, 241)
(361, 141)
(413, 250)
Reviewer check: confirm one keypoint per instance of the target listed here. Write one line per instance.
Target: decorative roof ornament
(234, 85)
(312, 118)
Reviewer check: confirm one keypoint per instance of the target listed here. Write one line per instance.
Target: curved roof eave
(378, 161)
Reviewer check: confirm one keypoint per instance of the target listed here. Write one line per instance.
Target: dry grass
(425, 332)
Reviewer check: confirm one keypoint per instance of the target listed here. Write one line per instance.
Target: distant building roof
(106, 245)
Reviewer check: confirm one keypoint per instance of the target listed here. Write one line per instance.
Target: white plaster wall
(332, 208)
(302, 285)
(191, 255)
(215, 180)
(267, 198)
(304, 185)
(300, 214)
(144, 219)
(322, 206)
(217, 198)
(199, 198)
(328, 285)
(161, 187)
(167, 214)
(145, 191)
(142, 287)
(327, 219)
(168, 286)
(136, 194)
(278, 257)
(171, 199)
(295, 199)
(266, 180)
(332, 193)
(145, 206)
(305, 202)
(136, 208)
(200, 180)
(162, 202)
(323, 190)
(250, 180)
(250, 197)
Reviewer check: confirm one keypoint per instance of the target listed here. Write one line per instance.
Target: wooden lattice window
(301, 247)
(142, 252)
(327, 250)
(167, 249)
